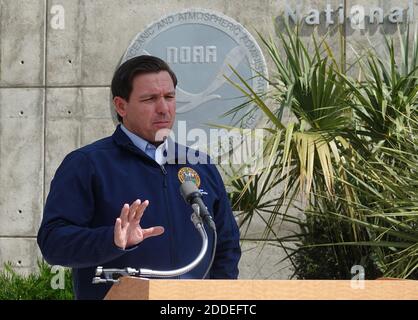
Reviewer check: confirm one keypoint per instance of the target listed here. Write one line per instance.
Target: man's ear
(120, 105)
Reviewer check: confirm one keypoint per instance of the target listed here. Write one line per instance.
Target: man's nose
(162, 105)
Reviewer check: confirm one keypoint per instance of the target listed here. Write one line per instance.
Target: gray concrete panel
(64, 43)
(21, 42)
(262, 260)
(21, 160)
(22, 253)
(75, 117)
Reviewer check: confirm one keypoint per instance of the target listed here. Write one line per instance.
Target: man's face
(151, 106)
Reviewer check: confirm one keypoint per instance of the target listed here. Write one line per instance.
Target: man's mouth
(161, 123)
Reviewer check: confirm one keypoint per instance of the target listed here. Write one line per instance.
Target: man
(115, 203)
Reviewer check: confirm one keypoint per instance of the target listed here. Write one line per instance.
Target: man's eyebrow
(150, 95)
(147, 95)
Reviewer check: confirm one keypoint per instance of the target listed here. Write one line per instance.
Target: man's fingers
(140, 210)
(152, 232)
(124, 215)
(118, 226)
(133, 209)
(118, 234)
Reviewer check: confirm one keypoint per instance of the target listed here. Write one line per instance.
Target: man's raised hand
(128, 232)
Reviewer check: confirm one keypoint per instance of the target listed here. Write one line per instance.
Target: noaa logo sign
(200, 46)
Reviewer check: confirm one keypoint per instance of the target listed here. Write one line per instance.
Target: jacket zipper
(170, 222)
(165, 175)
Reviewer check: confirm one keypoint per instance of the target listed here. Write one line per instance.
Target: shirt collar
(142, 144)
(155, 153)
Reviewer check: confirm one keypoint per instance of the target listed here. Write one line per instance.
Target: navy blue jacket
(87, 194)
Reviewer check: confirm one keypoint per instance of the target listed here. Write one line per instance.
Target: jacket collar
(123, 141)
(177, 153)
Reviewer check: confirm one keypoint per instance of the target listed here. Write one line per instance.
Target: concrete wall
(54, 97)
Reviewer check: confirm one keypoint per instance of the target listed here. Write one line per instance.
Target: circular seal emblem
(203, 47)
(188, 174)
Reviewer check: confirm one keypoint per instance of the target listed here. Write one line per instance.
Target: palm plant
(349, 155)
(302, 156)
(384, 175)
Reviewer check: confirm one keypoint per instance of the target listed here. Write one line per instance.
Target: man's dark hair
(124, 75)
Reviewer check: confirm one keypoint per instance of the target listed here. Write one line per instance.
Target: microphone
(192, 196)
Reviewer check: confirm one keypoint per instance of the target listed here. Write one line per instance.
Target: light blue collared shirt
(145, 146)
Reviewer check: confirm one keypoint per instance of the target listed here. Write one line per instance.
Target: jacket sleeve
(228, 251)
(65, 237)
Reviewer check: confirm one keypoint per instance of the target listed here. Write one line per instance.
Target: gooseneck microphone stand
(111, 275)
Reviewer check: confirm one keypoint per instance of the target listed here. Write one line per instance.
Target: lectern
(133, 288)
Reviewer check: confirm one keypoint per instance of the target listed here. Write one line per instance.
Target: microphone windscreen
(187, 188)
